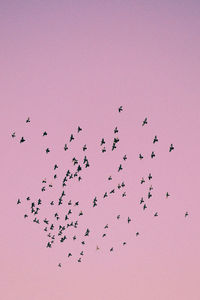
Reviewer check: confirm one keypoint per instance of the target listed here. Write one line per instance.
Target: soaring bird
(118, 217)
(120, 109)
(124, 194)
(141, 200)
(124, 243)
(55, 166)
(59, 265)
(156, 214)
(79, 129)
(44, 133)
(79, 260)
(129, 220)
(105, 195)
(71, 138)
(142, 180)
(171, 148)
(167, 195)
(144, 207)
(13, 135)
(186, 214)
(115, 130)
(149, 177)
(69, 254)
(47, 150)
(109, 178)
(28, 120)
(18, 201)
(137, 233)
(155, 139)
(65, 147)
(144, 122)
(125, 157)
(102, 141)
(84, 147)
(111, 249)
(103, 150)
(22, 140)
(120, 168)
(152, 154)
(140, 156)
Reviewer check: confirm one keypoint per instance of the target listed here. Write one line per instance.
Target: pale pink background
(70, 63)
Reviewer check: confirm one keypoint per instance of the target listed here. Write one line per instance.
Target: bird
(59, 265)
(137, 233)
(69, 254)
(171, 148)
(28, 120)
(124, 194)
(118, 217)
(28, 198)
(79, 129)
(13, 135)
(186, 214)
(141, 200)
(81, 213)
(97, 248)
(156, 214)
(155, 139)
(104, 235)
(144, 122)
(47, 150)
(105, 195)
(142, 180)
(102, 141)
(65, 147)
(84, 147)
(103, 150)
(111, 249)
(144, 207)
(55, 166)
(25, 216)
(109, 178)
(129, 220)
(149, 195)
(18, 201)
(39, 201)
(120, 109)
(149, 177)
(79, 260)
(167, 195)
(125, 157)
(71, 138)
(81, 253)
(124, 243)
(140, 156)
(123, 184)
(115, 130)
(22, 140)
(152, 154)
(106, 226)
(44, 133)
(112, 191)
(120, 168)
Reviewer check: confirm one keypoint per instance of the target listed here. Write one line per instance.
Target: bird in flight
(167, 195)
(79, 129)
(140, 156)
(65, 147)
(156, 214)
(115, 130)
(144, 122)
(152, 154)
(22, 140)
(125, 157)
(120, 109)
(44, 133)
(71, 138)
(47, 150)
(28, 120)
(13, 135)
(18, 201)
(155, 139)
(142, 180)
(186, 214)
(171, 148)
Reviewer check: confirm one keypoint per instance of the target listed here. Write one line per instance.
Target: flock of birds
(63, 220)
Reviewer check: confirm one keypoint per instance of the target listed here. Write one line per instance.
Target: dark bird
(106, 226)
(22, 140)
(39, 201)
(155, 139)
(113, 146)
(109, 178)
(81, 253)
(47, 150)
(105, 195)
(104, 235)
(124, 194)
(55, 176)
(140, 156)
(120, 168)
(28, 198)
(111, 249)
(149, 195)
(124, 243)
(144, 207)
(97, 248)
(123, 184)
(103, 150)
(28, 120)
(59, 265)
(81, 213)
(115, 130)
(137, 233)
(171, 148)
(83, 243)
(142, 200)
(151, 188)
(87, 232)
(120, 109)
(186, 214)
(65, 147)
(102, 141)
(79, 129)
(112, 192)
(118, 217)
(152, 154)
(79, 260)
(125, 157)
(51, 203)
(119, 186)
(18, 201)
(76, 203)
(70, 202)
(167, 195)
(43, 189)
(142, 180)
(13, 135)
(25, 216)
(156, 214)
(149, 177)
(55, 166)
(74, 237)
(129, 220)
(71, 138)
(69, 254)
(44, 133)
(84, 147)
(144, 122)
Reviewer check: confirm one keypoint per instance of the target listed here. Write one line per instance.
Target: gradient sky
(70, 63)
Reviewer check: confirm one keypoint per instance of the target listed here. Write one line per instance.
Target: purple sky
(70, 63)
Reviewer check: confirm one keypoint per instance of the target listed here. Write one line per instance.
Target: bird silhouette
(84, 148)
(152, 154)
(171, 148)
(44, 133)
(120, 109)
(109, 178)
(129, 220)
(142, 180)
(79, 129)
(102, 142)
(125, 157)
(65, 147)
(167, 195)
(13, 135)
(155, 139)
(140, 156)
(186, 214)
(149, 177)
(71, 138)
(144, 122)
(156, 214)
(137, 233)
(22, 140)
(111, 249)
(28, 120)
(120, 168)
(115, 130)
(18, 201)
(47, 150)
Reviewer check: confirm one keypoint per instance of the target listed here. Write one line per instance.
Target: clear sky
(70, 63)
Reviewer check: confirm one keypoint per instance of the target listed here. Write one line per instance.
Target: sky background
(70, 63)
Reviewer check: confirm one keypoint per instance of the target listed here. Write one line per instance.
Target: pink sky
(70, 63)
